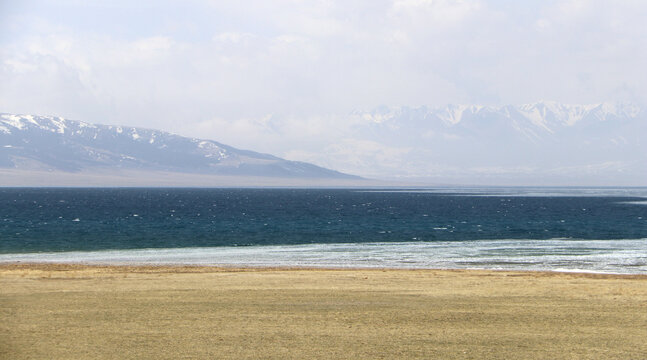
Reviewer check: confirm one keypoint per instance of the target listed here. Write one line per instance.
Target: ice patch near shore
(600, 256)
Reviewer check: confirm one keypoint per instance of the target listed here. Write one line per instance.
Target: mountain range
(542, 143)
(54, 144)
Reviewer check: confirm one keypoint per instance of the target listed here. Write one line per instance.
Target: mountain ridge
(541, 143)
(53, 143)
(537, 113)
(544, 142)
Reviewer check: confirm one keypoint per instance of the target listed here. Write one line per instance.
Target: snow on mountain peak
(453, 114)
(620, 109)
(545, 112)
(546, 115)
(54, 124)
(14, 121)
(43, 142)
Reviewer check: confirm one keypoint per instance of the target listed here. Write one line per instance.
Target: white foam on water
(525, 191)
(600, 256)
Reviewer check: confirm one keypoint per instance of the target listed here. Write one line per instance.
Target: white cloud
(232, 37)
(435, 13)
(153, 44)
(216, 69)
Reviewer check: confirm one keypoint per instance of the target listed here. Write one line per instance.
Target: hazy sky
(269, 75)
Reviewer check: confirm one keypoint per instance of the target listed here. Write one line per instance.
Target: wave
(522, 191)
(625, 256)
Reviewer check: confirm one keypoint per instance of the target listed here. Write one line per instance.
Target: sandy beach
(130, 312)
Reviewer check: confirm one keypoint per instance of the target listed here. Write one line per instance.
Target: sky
(285, 76)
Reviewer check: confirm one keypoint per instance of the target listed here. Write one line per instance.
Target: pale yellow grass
(93, 312)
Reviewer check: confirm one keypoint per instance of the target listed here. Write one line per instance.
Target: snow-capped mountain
(544, 143)
(29, 142)
(546, 115)
(538, 141)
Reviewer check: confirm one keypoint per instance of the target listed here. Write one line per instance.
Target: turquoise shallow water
(524, 228)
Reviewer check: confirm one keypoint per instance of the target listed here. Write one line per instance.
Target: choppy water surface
(521, 228)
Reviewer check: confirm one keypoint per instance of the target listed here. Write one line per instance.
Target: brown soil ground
(129, 312)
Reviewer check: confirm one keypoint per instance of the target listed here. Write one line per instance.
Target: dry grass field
(102, 312)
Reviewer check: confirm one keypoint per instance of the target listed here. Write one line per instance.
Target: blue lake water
(509, 228)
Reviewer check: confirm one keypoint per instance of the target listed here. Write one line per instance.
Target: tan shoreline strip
(219, 268)
(66, 311)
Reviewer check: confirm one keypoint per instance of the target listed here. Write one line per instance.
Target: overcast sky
(268, 75)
